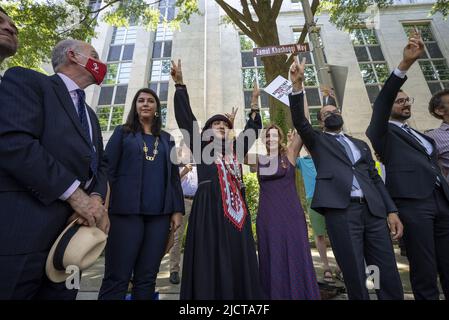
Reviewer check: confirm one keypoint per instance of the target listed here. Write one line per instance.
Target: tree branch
(249, 20)
(104, 7)
(256, 7)
(305, 31)
(237, 18)
(276, 7)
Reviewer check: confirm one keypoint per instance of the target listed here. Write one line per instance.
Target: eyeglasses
(404, 100)
(328, 113)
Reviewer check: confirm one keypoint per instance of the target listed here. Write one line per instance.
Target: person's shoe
(174, 277)
(328, 277)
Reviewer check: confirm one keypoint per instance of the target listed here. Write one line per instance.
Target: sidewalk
(91, 280)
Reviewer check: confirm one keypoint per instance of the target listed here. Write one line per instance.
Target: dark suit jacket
(410, 171)
(125, 158)
(335, 170)
(43, 150)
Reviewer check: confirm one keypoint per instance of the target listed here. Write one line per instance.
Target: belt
(188, 197)
(358, 199)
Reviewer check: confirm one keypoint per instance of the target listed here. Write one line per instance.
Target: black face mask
(334, 122)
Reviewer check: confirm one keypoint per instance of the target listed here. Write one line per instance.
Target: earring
(156, 114)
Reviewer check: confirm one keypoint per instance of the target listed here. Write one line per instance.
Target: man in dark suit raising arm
(352, 197)
(414, 180)
(52, 166)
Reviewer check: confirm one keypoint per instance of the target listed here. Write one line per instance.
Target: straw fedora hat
(77, 245)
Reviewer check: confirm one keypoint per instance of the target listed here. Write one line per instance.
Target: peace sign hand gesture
(297, 73)
(412, 51)
(176, 72)
(231, 116)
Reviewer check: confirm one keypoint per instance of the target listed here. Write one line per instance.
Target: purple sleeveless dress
(285, 260)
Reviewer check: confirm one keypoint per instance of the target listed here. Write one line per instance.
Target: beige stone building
(219, 68)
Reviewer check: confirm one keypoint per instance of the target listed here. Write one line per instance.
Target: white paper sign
(280, 88)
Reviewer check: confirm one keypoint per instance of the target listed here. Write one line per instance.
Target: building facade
(219, 68)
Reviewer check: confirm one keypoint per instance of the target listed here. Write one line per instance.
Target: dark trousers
(357, 237)
(136, 246)
(22, 277)
(426, 238)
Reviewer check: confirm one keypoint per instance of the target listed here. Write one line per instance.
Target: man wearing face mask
(352, 197)
(52, 169)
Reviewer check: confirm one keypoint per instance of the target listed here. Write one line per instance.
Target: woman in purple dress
(285, 261)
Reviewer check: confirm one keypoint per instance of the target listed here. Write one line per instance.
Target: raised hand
(290, 136)
(297, 73)
(231, 116)
(176, 72)
(256, 94)
(412, 51)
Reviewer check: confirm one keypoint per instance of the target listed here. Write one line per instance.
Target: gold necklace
(155, 152)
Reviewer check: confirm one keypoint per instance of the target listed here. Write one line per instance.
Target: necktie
(410, 132)
(340, 138)
(81, 107)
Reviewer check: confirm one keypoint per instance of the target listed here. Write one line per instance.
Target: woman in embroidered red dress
(220, 259)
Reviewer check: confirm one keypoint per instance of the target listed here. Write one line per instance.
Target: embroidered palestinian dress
(220, 259)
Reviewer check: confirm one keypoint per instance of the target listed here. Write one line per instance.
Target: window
(373, 67)
(311, 84)
(94, 5)
(167, 10)
(253, 72)
(110, 116)
(111, 106)
(161, 56)
(412, 1)
(123, 35)
(296, 4)
(115, 85)
(433, 64)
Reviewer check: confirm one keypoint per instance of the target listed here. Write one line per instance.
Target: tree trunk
(279, 112)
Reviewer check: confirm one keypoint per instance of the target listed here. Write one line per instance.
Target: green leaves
(42, 24)
(348, 13)
(441, 6)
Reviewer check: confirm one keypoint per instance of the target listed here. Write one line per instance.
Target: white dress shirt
(72, 87)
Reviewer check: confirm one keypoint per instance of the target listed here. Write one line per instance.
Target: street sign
(279, 50)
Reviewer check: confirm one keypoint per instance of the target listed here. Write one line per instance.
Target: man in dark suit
(52, 166)
(414, 180)
(8, 36)
(352, 197)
